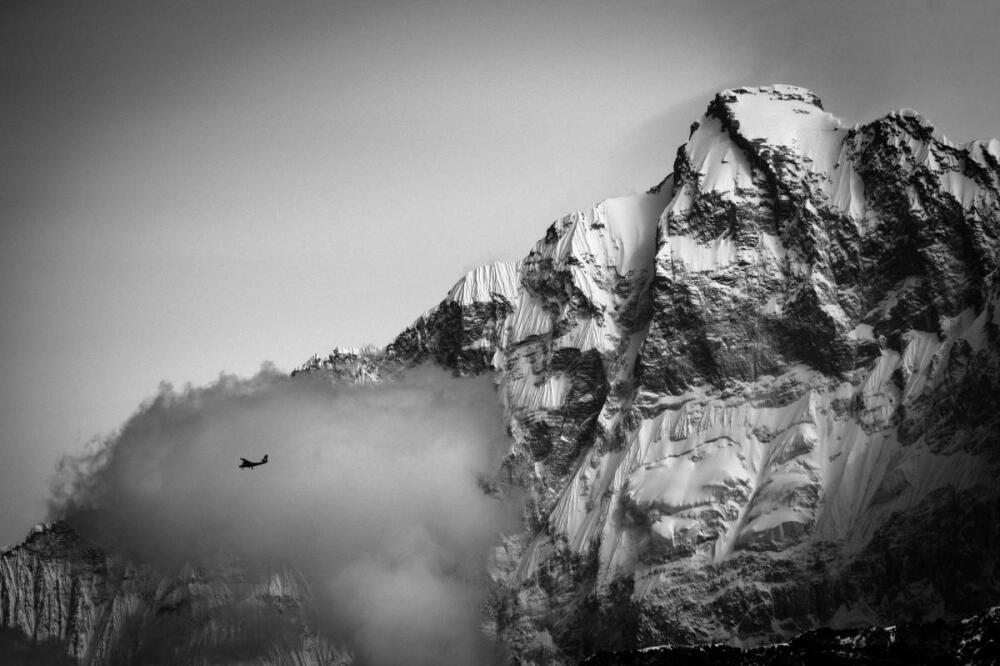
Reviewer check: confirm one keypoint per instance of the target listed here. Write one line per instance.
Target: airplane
(246, 464)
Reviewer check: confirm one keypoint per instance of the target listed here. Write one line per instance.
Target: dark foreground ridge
(973, 641)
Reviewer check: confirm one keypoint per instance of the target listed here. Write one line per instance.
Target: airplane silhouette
(246, 464)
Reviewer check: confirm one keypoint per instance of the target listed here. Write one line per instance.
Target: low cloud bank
(372, 492)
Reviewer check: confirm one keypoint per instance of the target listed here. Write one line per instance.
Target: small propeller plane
(246, 464)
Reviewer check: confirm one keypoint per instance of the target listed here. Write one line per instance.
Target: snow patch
(699, 257)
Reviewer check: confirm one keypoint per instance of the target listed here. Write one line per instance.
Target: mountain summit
(758, 399)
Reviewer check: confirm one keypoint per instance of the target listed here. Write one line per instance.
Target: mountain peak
(778, 92)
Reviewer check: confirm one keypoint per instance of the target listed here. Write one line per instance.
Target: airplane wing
(246, 462)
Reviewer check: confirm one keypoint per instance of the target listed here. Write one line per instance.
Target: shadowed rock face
(760, 398)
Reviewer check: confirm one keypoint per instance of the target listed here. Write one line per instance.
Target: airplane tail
(265, 458)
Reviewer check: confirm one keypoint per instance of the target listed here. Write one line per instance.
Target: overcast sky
(188, 187)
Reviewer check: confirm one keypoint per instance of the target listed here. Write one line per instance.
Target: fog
(372, 492)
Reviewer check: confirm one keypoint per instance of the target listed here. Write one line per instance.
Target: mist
(373, 492)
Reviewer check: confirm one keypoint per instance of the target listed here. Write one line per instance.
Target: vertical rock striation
(57, 589)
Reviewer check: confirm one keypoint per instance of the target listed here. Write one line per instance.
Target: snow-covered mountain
(760, 398)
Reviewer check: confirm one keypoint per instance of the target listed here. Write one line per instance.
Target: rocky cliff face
(760, 398)
(60, 593)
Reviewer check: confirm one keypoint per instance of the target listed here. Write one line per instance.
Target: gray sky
(191, 187)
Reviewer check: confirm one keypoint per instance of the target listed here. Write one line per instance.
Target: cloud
(372, 492)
